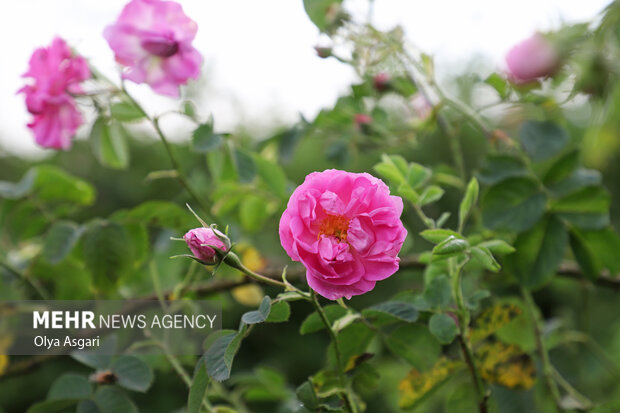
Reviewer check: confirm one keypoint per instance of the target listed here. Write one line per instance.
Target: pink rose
(381, 81)
(153, 39)
(533, 58)
(345, 229)
(56, 74)
(198, 241)
(421, 106)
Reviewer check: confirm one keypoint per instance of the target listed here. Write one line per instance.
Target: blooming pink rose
(533, 58)
(153, 39)
(56, 74)
(198, 241)
(345, 229)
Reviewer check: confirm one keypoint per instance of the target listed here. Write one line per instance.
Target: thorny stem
(542, 349)
(350, 405)
(463, 337)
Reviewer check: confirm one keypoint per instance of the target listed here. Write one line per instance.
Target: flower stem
(154, 121)
(542, 349)
(350, 405)
(233, 260)
(463, 337)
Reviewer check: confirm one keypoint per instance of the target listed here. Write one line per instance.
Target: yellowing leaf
(492, 319)
(4, 362)
(250, 295)
(416, 386)
(506, 364)
(355, 361)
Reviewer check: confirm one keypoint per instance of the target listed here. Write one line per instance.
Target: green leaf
(431, 194)
(438, 292)
(52, 184)
(96, 361)
(469, 200)
(585, 256)
(313, 322)
(318, 11)
(133, 373)
(605, 243)
(280, 312)
(306, 395)
(539, 252)
(415, 344)
(497, 168)
(17, 190)
(389, 171)
(204, 139)
(451, 246)
(260, 315)
(587, 208)
(108, 252)
(189, 109)
(563, 168)
(60, 240)
(70, 386)
(52, 406)
(246, 169)
(198, 389)
(497, 246)
(484, 257)
(398, 309)
(542, 140)
(417, 175)
(220, 355)
(498, 83)
(437, 236)
(126, 112)
(515, 204)
(109, 142)
(111, 399)
(253, 212)
(443, 327)
(273, 175)
(160, 214)
(473, 301)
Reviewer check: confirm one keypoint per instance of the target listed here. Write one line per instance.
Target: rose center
(334, 226)
(161, 47)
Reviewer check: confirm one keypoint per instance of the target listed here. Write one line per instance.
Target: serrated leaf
(497, 168)
(431, 194)
(443, 327)
(244, 163)
(111, 399)
(539, 252)
(451, 246)
(542, 140)
(415, 344)
(438, 292)
(437, 236)
(280, 312)
(469, 200)
(497, 246)
(260, 315)
(60, 240)
(397, 309)
(70, 386)
(499, 83)
(485, 257)
(220, 355)
(198, 389)
(108, 252)
(109, 142)
(515, 204)
(133, 373)
(204, 139)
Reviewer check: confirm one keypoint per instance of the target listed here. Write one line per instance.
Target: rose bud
(362, 121)
(421, 106)
(200, 241)
(533, 58)
(381, 82)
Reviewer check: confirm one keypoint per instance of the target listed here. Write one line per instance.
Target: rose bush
(492, 231)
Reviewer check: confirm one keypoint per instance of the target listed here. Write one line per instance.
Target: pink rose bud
(152, 39)
(533, 58)
(421, 106)
(199, 241)
(323, 51)
(381, 82)
(56, 75)
(345, 228)
(361, 120)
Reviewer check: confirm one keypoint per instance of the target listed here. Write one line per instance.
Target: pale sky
(260, 65)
